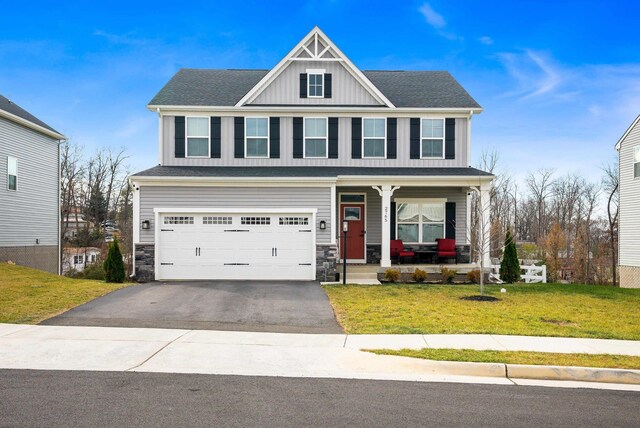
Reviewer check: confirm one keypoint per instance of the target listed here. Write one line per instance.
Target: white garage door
(235, 246)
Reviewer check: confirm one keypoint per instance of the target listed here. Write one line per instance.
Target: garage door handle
(304, 230)
(276, 252)
(273, 251)
(166, 264)
(304, 264)
(166, 230)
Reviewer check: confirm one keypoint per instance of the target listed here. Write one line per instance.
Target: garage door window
(255, 220)
(178, 220)
(294, 221)
(216, 220)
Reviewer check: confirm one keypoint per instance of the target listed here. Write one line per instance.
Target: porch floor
(462, 268)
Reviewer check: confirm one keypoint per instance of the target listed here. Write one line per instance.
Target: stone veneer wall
(145, 268)
(629, 276)
(374, 252)
(326, 253)
(145, 262)
(43, 257)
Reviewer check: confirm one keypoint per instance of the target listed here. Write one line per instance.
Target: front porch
(374, 273)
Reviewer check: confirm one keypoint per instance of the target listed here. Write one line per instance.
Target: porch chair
(397, 250)
(447, 248)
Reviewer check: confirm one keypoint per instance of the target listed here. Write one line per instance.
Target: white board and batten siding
(286, 148)
(629, 229)
(30, 212)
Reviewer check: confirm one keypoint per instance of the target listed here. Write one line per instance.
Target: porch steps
(361, 278)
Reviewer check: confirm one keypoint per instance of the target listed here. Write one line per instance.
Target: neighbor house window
(78, 260)
(374, 138)
(432, 141)
(315, 82)
(12, 173)
(315, 137)
(420, 222)
(636, 161)
(257, 137)
(197, 137)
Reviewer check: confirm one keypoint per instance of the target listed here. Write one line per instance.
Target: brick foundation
(629, 276)
(42, 257)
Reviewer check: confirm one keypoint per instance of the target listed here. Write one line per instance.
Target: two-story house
(29, 189)
(628, 148)
(259, 169)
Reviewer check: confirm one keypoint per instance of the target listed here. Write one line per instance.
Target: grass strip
(518, 357)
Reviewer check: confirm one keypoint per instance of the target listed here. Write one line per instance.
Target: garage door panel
(264, 247)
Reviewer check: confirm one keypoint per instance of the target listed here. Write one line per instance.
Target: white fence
(529, 274)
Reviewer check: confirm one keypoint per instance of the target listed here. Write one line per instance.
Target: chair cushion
(407, 254)
(446, 253)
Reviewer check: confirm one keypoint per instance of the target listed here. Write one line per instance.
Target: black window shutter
(392, 217)
(333, 138)
(274, 137)
(356, 138)
(392, 138)
(450, 220)
(298, 143)
(238, 128)
(327, 85)
(303, 85)
(414, 138)
(179, 127)
(450, 138)
(215, 136)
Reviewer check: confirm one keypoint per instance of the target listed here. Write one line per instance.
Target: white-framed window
(315, 83)
(420, 221)
(256, 142)
(315, 137)
(12, 173)
(374, 137)
(197, 137)
(78, 260)
(432, 138)
(636, 162)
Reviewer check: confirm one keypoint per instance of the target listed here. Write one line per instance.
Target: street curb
(578, 374)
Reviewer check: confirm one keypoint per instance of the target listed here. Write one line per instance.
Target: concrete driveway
(273, 306)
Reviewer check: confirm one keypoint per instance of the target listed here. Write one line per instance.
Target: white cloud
(534, 72)
(486, 40)
(433, 18)
(437, 21)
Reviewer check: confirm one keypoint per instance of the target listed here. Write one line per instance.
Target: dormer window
(315, 82)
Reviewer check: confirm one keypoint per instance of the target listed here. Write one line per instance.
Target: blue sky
(559, 80)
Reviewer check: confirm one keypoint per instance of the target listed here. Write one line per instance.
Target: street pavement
(62, 399)
(274, 354)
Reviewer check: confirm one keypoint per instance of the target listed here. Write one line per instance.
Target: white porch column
(485, 225)
(385, 253)
(136, 225)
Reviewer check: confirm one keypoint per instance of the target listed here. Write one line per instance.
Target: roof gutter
(167, 109)
(31, 125)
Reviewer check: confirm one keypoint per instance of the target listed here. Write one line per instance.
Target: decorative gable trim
(315, 46)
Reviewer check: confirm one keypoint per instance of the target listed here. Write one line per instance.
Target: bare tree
(540, 187)
(611, 184)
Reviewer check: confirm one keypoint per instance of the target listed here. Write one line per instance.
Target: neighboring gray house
(259, 168)
(29, 189)
(629, 223)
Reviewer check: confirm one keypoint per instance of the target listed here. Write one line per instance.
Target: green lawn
(519, 357)
(28, 296)
(526, 309)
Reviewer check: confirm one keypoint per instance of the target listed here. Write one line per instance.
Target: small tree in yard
(113, 265)
(510, 267)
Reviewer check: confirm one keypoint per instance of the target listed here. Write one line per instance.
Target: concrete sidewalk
(275, 354)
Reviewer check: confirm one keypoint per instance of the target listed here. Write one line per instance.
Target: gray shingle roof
(421, 89)
(302, 171)
(16, 110)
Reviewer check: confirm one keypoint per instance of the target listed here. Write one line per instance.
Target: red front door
(354, 214)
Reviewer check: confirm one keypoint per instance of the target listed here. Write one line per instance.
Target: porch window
(636, 162)
(197, 137)
(432, 141)
(257, 137)
(420, 222)
(374, 138)
(315, 137)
